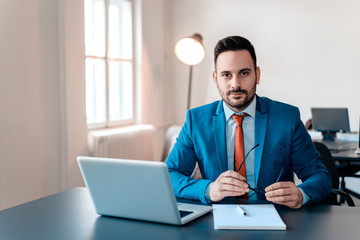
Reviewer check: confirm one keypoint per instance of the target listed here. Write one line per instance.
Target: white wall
(42, 89)
(71, 83)
(156, 97)
(154, 65)
(30, 124)
(308, 51)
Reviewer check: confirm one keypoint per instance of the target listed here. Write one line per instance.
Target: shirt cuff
(207, 192)
(306, 198)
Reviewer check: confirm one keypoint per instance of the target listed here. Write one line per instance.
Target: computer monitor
(329, 121)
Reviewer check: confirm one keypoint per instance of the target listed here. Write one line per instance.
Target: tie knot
(239, 118)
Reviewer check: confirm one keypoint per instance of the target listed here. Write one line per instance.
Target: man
(271, 134)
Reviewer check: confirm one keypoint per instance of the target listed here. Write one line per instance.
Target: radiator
(132, 142)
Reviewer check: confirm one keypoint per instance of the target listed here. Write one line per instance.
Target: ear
(258, 73)
(214, 76)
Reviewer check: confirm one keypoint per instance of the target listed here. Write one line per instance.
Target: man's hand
(229, 183)
(285, 193)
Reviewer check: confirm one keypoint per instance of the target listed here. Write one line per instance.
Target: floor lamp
(190, 51)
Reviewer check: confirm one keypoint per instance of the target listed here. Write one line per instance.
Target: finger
(282, 194)
(233, 182)
(279, 185)
(218, 191)
(285, 202)
(233, 188)
(224, 194)
(233, 194)
(229, 183)
(291, 197)
(233, 174)
(282, 198)
(279, 192)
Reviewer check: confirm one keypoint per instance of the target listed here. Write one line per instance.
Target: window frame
(107, 59)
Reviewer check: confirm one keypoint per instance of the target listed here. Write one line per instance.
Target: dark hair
(234, 43)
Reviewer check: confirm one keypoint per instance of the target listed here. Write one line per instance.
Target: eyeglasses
(247, 156)
(257, 190)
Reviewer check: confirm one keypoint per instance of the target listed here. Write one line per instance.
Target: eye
(226, 75)
(244, 73)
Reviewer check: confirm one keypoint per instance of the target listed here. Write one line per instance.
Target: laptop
(135, 189)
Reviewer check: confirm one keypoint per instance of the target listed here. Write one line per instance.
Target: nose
(236, 83)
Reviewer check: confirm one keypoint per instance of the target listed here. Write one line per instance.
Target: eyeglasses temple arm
(247, 155)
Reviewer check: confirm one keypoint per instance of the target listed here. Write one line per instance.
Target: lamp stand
(189, 90)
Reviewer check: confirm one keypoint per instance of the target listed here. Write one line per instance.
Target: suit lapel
(219, 130)
(261, 120)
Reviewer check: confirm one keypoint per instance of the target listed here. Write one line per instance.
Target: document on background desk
(258, 217)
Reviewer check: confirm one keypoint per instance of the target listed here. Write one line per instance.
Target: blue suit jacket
(284, 142)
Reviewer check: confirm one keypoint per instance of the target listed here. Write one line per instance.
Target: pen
(241, 210)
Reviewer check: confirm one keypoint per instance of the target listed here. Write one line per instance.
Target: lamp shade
(190, 50)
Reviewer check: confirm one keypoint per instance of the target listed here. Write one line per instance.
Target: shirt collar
(250, 110)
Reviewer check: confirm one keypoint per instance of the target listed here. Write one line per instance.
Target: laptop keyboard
(184, 213)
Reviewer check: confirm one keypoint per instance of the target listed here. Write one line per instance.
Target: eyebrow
(245, 69)
(241, 70)
(223, 72)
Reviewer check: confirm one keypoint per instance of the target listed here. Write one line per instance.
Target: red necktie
(239, 146)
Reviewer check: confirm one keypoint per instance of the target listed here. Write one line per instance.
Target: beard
(236, 103)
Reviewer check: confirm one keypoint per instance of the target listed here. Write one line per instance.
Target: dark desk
(343, 150)
(70, 215)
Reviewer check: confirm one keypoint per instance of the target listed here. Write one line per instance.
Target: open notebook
(258, 217)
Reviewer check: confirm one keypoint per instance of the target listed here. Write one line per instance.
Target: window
(109, 62)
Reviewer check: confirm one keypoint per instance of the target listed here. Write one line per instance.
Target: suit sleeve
(181, 163)
(316, 181)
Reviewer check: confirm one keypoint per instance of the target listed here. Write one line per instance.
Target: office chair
(348, 170)
(170, 139)
(329, 163)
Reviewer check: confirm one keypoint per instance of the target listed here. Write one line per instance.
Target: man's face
(236, 79)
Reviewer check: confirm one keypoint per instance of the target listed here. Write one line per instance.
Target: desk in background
(344, 153)
(70, 215)
(343, 150)
(343, 147)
